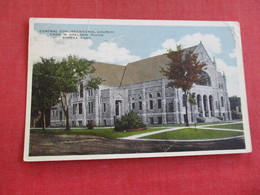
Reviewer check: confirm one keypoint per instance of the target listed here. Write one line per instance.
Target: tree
(235, 106)
(53, 80)
(71, 71)
(183, 71)
(44, 88)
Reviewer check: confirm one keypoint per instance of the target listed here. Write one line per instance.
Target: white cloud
(210, 41)
(231, 73)
(108, 52)
(233, 54)
(167, 44)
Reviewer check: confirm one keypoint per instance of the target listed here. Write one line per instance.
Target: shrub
(90, 125)
(128, 122)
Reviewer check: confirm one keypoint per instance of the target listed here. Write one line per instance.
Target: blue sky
(143, 40)
(128, 43)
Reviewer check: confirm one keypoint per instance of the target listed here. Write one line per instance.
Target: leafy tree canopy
(53, 80)
(184, 70)
(45, 88)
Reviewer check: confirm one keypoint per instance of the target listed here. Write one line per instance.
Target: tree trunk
(34, 121)
(43, 120)
(67, 119)
(186, 108)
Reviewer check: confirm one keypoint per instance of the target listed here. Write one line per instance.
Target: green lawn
(230, 126)
(190, 134)
(107, 133)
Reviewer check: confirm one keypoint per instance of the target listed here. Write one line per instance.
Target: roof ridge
(123, 76)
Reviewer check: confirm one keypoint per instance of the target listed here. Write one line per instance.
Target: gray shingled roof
(136, 72)
(110, 73)
(145, 70)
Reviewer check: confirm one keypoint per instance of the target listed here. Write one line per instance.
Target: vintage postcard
(106, 89)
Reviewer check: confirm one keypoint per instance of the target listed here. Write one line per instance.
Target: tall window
(151, 120)
(104, 107)
(158, 94)
(133, 105)
(60, 115)
(74, 109)
(159, 119)
(80, 123)
(171, 107)
(222, 101)
(90, 92)
(140, 106)
(117, 107)
(151, 104)
(90, 107)
(184, 100)
(206, 79)
(159, 104)
(80, 108)
(81, 90)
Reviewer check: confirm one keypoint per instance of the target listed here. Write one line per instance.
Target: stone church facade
(140, 87)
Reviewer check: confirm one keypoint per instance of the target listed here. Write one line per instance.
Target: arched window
(206, 79)
(158, 94)
(150, 95)
(199, 101)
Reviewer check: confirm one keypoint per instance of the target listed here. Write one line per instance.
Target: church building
(141, 87)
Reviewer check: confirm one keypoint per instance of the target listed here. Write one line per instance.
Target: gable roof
(111, 74)
(145, 70)
(148, 69)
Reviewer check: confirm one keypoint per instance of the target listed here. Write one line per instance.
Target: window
(159, 120)
(206, 81)
(60, 115)
(90, 107)
(74, 109)
(80, 108)
(104, 107)
(159, 104)
(90, 92)
(151, 120)
(158, 95)
(151, 104)
(105, 122)
(90, 121)
(81, 90)
(222, 102)
(140, 106)
(184, 100)
(118, 107)
(133, 106)
(150, 95)
(80, 123)
(171, 107)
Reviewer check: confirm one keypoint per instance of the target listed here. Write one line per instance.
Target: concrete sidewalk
(133, 137)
